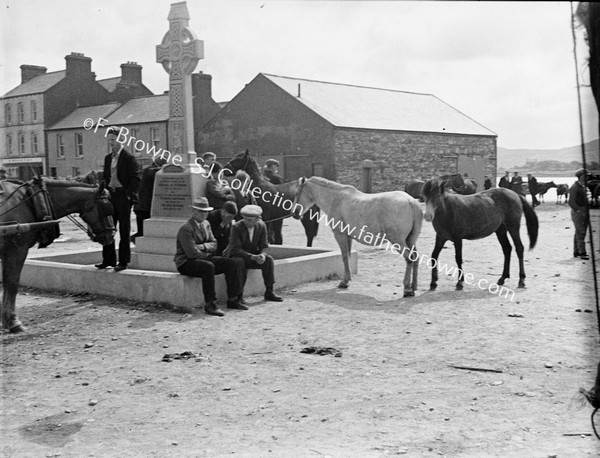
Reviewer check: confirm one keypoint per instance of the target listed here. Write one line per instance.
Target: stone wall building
(328, 129)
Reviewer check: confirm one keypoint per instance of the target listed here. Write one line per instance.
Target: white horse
(391, 220)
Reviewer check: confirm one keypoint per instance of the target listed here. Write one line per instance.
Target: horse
(19, 210)
(459, 184)
(354, 215)
(562, 190)
(543, 189)
(272, 199)
(456, 217)
(413, 189)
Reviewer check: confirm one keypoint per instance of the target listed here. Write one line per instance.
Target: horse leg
(410, 275)
(12, 265)
(506, 249)
(514, 233)
(439, 244)
(459, 260)
(345, 244)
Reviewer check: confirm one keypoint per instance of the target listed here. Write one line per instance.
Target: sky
(507, 65)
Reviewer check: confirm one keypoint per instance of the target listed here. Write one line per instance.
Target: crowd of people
(209, 243)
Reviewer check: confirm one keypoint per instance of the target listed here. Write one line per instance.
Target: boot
(271, 296)
(236, 304)
(211, 309)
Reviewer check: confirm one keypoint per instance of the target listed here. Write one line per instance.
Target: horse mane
(331, 184)
(431, 188)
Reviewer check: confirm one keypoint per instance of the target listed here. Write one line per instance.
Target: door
(473, 167)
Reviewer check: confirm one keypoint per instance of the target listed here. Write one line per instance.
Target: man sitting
(221, 221)
(195, 247)
(249, 242)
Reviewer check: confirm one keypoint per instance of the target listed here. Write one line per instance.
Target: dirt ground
(89, 379)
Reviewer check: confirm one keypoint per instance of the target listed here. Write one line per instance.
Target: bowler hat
(201, 203)
(251, 211)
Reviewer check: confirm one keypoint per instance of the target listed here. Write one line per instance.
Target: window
(153, 137)
(60, 146)
(34, 144)
(53, 173)
(20, 112)
(33, 110)
(78, 145)
(7, 114)
(76, 171)
(9, 144)
(21, 144)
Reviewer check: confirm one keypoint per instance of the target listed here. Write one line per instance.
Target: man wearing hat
(505, 181)
(579, 213)
(271, 168)
(516, 184)
(249, 242)
(195, 257)
(533, 188)
(121, 177)
(221, 221)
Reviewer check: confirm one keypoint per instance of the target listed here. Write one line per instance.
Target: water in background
(550, 196)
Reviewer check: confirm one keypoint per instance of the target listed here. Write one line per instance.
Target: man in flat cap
(270, 172)
(195, 257)
(121, 177)
(579, 213)
(249, 242)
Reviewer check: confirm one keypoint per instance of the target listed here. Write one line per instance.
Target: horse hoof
(521, 284)
(343, 284)
(432, 287)
(459, 287)
(409, 294)
(17, 329)
(500, 282)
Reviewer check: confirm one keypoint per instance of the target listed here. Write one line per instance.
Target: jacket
(240, 244)
(222, 234)
(128, 172)
(194, 242)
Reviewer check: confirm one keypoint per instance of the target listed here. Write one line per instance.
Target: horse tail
(531, 221)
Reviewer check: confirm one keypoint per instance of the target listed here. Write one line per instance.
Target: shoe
(103, 265)
(271, 296)
(236, 305)
(120, 267)
(211, 309)
(242, 300)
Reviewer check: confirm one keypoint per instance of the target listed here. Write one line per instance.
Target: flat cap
(251, 211)
(270, 162)
(579, 173)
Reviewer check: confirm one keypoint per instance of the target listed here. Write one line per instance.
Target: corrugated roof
(76, 118)
(153, 108)
(37, 84)
(110, 84)
(345, 105)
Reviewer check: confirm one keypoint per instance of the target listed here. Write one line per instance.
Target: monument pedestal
(174, 191)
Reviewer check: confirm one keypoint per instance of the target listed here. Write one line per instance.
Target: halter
(300, 189)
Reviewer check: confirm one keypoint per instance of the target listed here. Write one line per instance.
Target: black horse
(272, 199)
(456, 217)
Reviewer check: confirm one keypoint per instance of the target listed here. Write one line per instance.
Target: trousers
(580, 221)
(267, 267)
(122, 218)
(233, 268)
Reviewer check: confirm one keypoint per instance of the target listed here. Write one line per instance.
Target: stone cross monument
(179, 182)
(179, 54)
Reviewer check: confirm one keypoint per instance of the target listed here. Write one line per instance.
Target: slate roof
(110, 84)
(75, 119)
(154, 108)
(345, 105)
(37, 84)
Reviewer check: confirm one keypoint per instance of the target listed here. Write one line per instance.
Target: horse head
(98, 216)
(432, 193)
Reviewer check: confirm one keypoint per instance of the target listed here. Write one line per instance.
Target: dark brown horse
(20, 224)
(562, 190)
(542, 189)
(456, 217)
(274, 199)
(414, 188)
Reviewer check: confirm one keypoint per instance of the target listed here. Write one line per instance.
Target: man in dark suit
(271, 169)
(121, 177)
(533, 189)
(221, 221)
(505, 181)
(249, 242)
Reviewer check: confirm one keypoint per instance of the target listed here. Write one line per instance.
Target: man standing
(271, 169)
(533, 188)
(249, 242)
(504, 181)
(516, 184)
(221, 221)
(487, 184)
(216, 192)
(122, 178)
(579, 214)
(144, 205)
(195, 257)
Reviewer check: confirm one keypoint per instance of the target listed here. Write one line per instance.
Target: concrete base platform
(75, 272)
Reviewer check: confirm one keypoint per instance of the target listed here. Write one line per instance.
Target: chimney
(202, 86)
(31, 71)
(131, 73)
(78, 66)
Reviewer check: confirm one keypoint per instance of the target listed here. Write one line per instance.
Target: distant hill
(517, 158)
